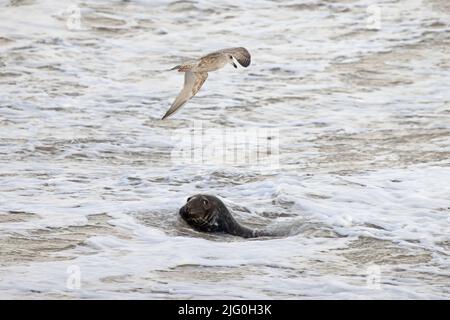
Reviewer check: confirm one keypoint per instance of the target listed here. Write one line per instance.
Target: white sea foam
(87, 179)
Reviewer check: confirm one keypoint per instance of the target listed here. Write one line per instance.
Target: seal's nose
(183, 211)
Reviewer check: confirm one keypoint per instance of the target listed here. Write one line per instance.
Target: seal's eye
(231, 57)
(188, 199)
(205, 202)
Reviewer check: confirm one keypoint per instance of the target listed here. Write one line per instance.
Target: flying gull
(196, 72)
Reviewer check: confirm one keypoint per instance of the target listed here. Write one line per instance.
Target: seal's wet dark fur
(209, 214)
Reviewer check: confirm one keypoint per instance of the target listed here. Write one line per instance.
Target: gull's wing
(193, 81)
(240, 54)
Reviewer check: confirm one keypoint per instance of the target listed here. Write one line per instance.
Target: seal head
(208, 213)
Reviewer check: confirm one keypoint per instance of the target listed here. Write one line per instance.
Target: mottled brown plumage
(196, 72)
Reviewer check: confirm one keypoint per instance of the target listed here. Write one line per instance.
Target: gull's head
(230, 57)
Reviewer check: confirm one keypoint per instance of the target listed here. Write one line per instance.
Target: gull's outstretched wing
(240, 54)
(193, 81)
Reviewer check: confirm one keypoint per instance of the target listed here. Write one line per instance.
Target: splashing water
(357, 96)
